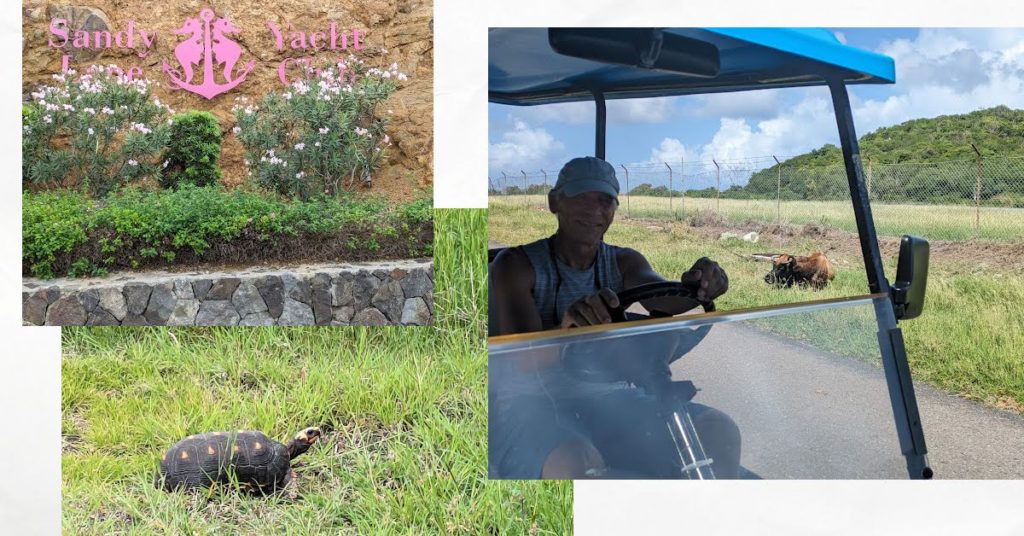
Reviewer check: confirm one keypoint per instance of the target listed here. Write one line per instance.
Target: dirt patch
(967, 256)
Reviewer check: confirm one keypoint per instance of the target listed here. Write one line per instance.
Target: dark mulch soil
(248, 249)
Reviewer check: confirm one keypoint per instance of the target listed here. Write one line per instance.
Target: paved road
(805, 413)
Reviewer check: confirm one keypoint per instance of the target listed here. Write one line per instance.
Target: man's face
(585, 217)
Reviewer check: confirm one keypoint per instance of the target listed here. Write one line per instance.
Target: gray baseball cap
(587, 174)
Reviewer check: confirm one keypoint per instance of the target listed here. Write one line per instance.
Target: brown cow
(814, 270)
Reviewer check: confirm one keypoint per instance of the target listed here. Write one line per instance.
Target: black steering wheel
(641, 363)
(660, 289)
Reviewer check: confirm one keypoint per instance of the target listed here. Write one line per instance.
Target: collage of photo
(745, 253)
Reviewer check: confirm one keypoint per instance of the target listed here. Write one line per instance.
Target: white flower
(47, 119)
(166, 162)
(132, 163)
(91, 131)
(300, 146)
(236, 130)
(324, 130)
(287, 96)
(317, 144)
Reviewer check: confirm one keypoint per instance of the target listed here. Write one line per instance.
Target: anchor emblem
(207, 43)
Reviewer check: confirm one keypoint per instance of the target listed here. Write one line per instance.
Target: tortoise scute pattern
(200, 460)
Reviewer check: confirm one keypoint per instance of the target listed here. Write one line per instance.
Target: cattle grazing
(814, 270)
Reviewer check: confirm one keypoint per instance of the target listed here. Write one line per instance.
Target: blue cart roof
(525, 70)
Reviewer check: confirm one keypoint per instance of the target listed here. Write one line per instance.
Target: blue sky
(938, 72)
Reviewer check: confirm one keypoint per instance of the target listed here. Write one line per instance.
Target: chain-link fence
(949, 200)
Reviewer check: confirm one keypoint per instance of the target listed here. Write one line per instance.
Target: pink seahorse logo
(207, 44)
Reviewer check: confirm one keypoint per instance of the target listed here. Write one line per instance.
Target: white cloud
(672, 150)
(620, 111)
(794, 131)
(573, 113)
(746, 104)
(523, 147)
(624, 111)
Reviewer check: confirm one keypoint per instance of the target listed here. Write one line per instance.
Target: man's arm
(706, 277)
(511, 285)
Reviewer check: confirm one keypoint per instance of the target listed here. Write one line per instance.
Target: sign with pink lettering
(208, 59)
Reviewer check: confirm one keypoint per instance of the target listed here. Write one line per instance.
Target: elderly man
(575, 429)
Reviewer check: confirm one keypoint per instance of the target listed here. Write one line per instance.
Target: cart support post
(601, 122)
(890, 337)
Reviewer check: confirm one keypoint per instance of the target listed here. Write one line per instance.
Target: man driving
(543, 422)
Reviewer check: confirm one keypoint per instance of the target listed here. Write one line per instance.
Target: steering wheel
(609, 360)
(660, 289)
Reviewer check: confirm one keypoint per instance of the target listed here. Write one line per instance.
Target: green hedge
(66, 233)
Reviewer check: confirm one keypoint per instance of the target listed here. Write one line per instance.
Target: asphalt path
(807, 413)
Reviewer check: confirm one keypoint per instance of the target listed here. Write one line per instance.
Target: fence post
(682, 189)
(545, 179)
(525, 190)
(869, 177)
(627, 188)
(718, 186)
(669, 188)
(504, 183)
(778, 193)
(977, 195)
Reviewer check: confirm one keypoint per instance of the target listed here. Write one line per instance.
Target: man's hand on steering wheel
(707, 278)
(591, 310)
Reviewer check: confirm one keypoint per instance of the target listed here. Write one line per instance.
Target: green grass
(936, 222)
(405, 410)
(968, 341)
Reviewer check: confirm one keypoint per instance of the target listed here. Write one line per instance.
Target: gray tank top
(557, 285)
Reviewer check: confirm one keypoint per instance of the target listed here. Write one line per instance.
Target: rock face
(404, 29)
(370, 294)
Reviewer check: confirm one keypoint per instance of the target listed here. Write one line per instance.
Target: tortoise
(257, 463)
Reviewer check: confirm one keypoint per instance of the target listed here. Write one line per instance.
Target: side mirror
(911, 278)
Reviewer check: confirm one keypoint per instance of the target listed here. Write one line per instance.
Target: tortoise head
(303, 440)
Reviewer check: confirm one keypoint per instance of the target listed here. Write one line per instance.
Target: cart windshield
(804, 388)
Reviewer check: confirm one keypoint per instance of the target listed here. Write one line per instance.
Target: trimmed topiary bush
(193, 151)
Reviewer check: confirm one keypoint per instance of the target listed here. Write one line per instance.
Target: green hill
(996, 132)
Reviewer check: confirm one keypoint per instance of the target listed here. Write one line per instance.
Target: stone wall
(375, 294)
(400, 31)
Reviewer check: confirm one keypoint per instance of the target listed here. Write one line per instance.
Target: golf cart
(818, 389)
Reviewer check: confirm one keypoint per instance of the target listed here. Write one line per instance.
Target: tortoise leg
(290, 485)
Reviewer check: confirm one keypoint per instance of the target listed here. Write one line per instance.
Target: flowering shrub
(322, 133)
(193, 151)
(96, 131)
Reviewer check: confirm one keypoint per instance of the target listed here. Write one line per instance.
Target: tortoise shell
(255, 461)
